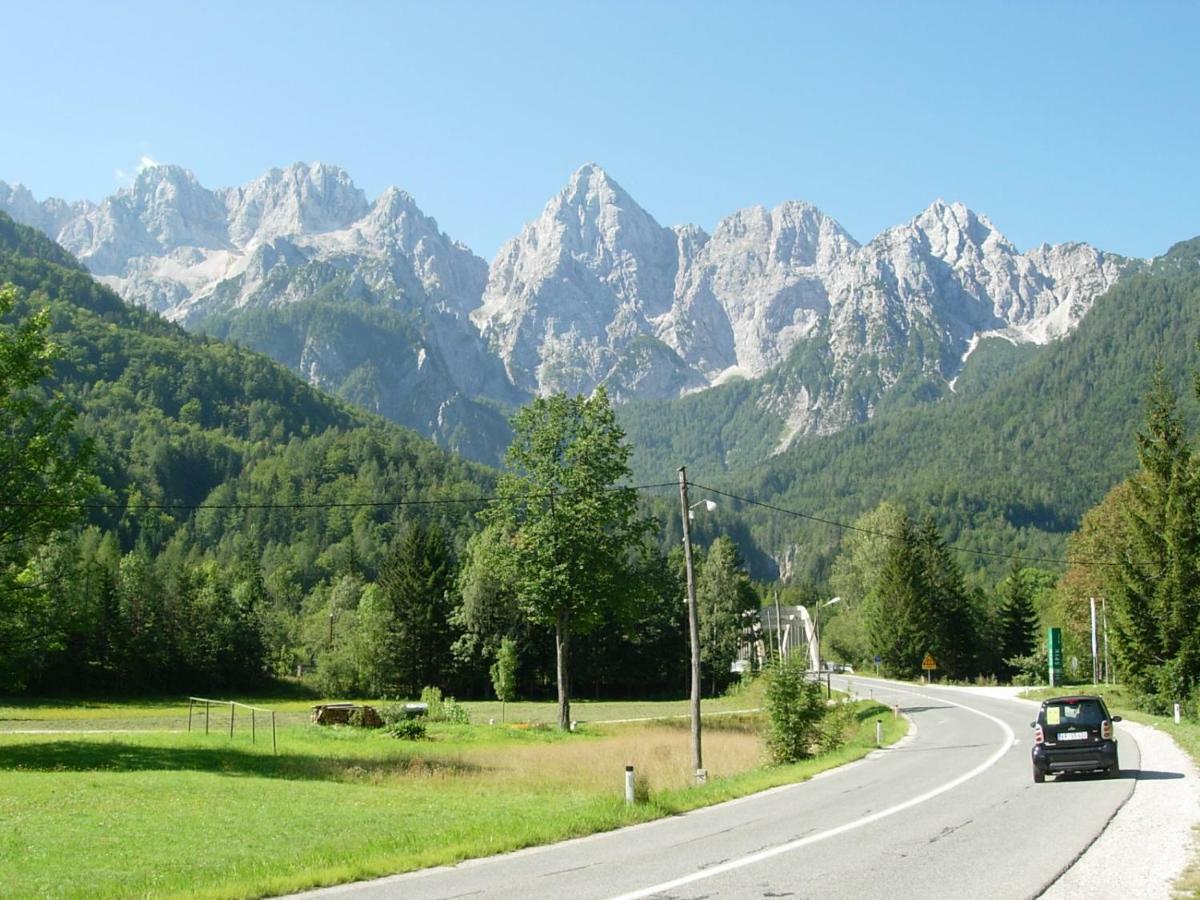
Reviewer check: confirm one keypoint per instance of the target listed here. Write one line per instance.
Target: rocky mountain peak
(594, 219)
(951, 230)
(172, 207)
(301, 199)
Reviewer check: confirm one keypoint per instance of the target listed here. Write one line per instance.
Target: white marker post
(879, 732)
(1176, 713)
(629, 785)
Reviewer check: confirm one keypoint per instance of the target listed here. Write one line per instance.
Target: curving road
(949, 812)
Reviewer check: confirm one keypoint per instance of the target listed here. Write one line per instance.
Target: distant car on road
(1074, 734)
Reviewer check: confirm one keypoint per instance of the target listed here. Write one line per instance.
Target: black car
(1074, 734)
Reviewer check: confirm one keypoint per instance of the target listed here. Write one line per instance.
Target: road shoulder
(1148, 843)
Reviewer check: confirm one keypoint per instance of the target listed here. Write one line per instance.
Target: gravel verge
(1149, 842)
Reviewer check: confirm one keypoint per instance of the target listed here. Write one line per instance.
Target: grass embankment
(170, 813)
(1186, 734)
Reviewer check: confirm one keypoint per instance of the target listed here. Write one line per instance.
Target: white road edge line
(1003, 748)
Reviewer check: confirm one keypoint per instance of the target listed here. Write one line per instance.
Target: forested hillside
(177, 422)
(1008, 469)
(245, 525)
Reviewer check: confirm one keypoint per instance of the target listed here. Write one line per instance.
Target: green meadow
(107, 799)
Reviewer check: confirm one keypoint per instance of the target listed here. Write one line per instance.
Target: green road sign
(1055, 654)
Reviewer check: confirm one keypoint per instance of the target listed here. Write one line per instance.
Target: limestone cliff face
(594, 291)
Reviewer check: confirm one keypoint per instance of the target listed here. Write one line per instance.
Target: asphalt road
(952, 811)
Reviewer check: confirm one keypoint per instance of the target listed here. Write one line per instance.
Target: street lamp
(693, 618)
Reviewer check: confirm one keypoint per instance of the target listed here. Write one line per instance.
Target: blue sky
(1060, 121)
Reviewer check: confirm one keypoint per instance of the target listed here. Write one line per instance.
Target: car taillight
(1106, 730)
(1039, 736)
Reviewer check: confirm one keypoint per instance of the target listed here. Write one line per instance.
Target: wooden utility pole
(693, 625)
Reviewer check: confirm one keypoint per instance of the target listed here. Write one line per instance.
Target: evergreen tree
(1156, 592)
(946, 613)
(1017, 620)
(415, 584)
(896, 614)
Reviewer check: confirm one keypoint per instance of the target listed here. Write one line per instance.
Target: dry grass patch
(660, 754)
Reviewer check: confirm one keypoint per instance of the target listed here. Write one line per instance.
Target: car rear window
(1080, 712)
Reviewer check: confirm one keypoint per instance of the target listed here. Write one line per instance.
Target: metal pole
(274, 746)
(1104, 620)
(629, 785)
(252, 724)
(693, 624)
(1095, 656)
(817, 635)
(231, 710)
(206, 706)
(778, 630)
(190, 704)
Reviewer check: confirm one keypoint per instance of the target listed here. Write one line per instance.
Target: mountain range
(372, 301)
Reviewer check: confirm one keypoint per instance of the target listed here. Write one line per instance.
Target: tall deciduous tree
(41, 473)
(574, 531)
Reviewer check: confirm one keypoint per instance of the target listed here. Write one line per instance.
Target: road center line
(751, 859)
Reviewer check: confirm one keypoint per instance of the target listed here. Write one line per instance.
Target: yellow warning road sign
(929, 663)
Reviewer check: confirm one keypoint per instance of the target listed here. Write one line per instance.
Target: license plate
(1072, 736)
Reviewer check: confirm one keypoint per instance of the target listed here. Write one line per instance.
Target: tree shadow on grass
(115, 756)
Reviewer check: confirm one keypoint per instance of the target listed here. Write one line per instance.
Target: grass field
(119, 800)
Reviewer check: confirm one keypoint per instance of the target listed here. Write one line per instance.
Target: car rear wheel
(1039, 777)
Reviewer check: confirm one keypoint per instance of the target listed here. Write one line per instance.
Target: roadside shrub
(794, 708)
(836, 727)
(407, 729)
(391, 713)
(1030, 670)
(432, 697)
(443, 709)
(454, 713)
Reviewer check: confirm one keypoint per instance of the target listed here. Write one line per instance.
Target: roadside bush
(455, 713)
(795, 708)
(407, 729)
(836, 727)
(443, 709)
(1030, 670)
(432, 697)
(391, 713)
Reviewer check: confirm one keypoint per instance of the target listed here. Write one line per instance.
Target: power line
(324, 504)
(884, 534)
(483, 500)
